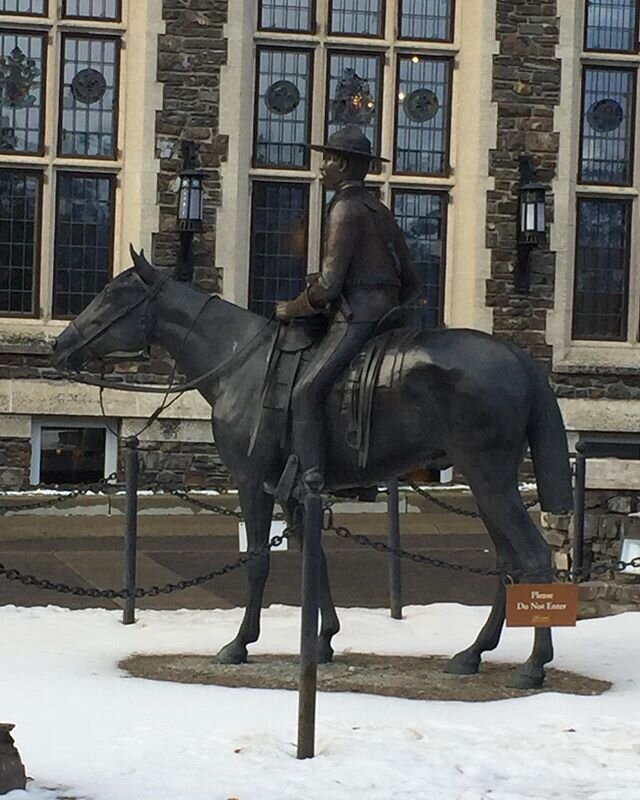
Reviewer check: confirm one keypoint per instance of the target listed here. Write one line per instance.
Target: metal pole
(130, 528)
(311, 554)
(578, 513)
(395, 574)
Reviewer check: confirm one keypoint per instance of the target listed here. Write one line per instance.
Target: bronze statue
(367, 271)
(442, 397)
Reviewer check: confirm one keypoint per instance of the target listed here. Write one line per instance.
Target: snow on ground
(85, 730)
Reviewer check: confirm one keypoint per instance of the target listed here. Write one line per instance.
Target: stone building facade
(455, 94)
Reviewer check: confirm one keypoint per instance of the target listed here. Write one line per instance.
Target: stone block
(558, 522)
(553, 538)
(12, 478)
(561, 560)
(621, 504)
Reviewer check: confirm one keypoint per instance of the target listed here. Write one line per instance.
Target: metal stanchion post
(311, 554)
(131, 528)
(578, 513)
(395, 573)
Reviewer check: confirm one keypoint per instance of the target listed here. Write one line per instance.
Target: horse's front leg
(257, 508)
(329, 622)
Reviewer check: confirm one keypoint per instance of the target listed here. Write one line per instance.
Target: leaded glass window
(422, 115)
(89, 97)
(354, 94)
(602, 269)
(428, 20)
(279, 216)
(19, 236)
(92, 9)
(83, 240)
(22, 65)
(286, 15)
(607, 125)
(612, 25)
(282, 113)
(357, 17)
(36, 8)
(422, 218)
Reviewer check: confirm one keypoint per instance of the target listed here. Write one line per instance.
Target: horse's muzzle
(68, 351)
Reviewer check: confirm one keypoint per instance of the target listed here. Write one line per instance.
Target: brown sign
(542, 605)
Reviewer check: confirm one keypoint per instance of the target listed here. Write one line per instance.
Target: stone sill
(35, 349)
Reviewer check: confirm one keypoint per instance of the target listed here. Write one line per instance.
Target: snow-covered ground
(87, 731)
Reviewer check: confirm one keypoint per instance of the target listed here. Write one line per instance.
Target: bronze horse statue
(458, 397)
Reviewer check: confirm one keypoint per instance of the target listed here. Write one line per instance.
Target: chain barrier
(463, 512)
(100, 487)
(327, 527)
(418, 558)
(152, 591)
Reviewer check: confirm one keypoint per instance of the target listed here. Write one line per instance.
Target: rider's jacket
(367, 269)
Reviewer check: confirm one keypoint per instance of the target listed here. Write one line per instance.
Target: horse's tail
(548, 444)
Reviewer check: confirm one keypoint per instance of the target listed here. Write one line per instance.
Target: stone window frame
(110, 442)
(38, 14)
(607, 51)
(597, 354)
(48, 164)
(627, 204)
(390, 48)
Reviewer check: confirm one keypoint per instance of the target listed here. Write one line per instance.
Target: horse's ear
(144, 269)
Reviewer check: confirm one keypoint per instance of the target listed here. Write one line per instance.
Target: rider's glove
(299, 307)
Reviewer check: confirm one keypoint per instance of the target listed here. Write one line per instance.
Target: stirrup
(283, 490)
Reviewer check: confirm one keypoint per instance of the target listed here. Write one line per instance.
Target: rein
(89, 380)
(79, 377)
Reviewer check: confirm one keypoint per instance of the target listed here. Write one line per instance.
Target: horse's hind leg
(502, 505)
(329, 622)
(257, 508)
(467, 662)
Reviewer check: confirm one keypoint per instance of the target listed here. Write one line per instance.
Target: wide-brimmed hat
(349, 141)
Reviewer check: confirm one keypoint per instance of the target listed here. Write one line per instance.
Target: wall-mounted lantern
(531, 222)
(190, 209)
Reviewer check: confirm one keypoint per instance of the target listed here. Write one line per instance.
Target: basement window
(72, 451)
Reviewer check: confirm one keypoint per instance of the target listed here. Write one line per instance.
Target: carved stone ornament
(88, 86)
(17, 78)
(282, 97)
(353, 101)
(605, 115)
(421, 105)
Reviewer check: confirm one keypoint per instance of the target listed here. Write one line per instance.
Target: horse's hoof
(325, 652)
(527, 677)
(232, 653)
(463, 664)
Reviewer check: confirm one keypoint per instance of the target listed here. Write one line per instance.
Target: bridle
(84, 340)
(150, 293)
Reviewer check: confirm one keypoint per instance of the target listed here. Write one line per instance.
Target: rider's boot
(303, 472)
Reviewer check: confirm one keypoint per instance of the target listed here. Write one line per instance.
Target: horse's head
(115, 321)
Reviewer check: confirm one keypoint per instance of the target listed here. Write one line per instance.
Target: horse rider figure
(366, 272)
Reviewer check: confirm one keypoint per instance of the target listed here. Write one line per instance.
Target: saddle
(291, 353)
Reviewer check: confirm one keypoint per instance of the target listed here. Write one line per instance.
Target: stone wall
(190, 56)
(189, 464)
(15, 463)
(526, 89)
(606, 522)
